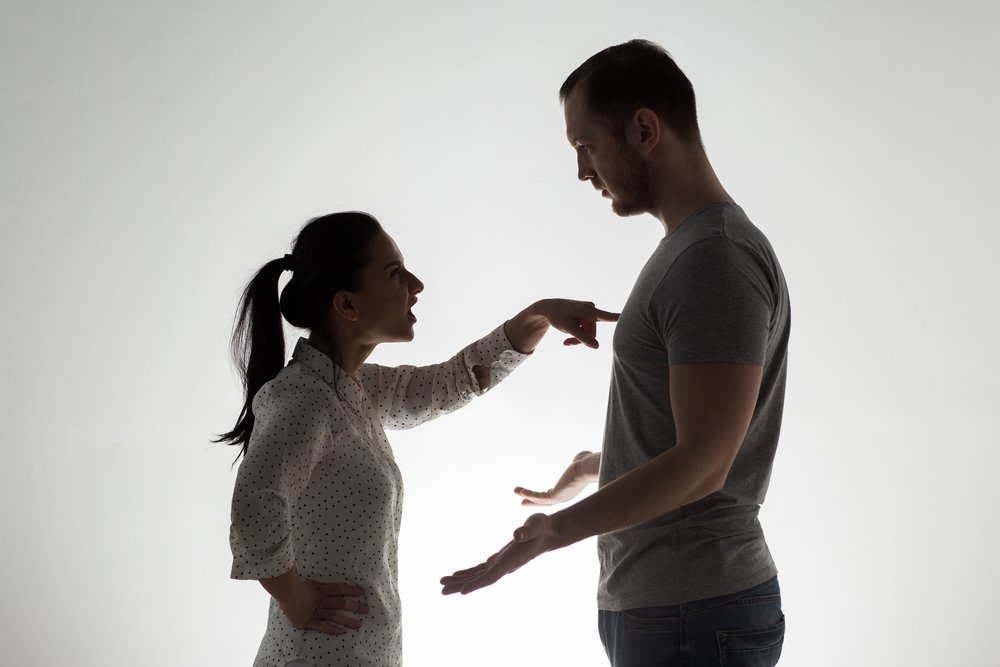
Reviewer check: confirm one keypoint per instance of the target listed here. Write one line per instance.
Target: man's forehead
(575, 115)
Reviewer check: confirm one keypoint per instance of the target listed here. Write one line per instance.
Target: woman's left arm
(411, 395)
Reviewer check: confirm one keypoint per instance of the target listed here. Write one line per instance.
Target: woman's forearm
(526, 329)
(284, 587)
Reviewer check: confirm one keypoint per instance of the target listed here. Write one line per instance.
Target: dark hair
(328, 255)
(623, 78)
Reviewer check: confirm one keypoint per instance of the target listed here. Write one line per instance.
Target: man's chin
(625, 210)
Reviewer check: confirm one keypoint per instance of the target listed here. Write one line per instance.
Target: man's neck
(685, 189)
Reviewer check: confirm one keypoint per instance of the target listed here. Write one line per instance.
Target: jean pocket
(650, 618)
(757, 647)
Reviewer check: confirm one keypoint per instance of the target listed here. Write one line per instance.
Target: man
(696, 392)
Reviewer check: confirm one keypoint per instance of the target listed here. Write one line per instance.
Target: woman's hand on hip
(329, 608)
(310, 605)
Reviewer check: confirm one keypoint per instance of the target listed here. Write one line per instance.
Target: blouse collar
(323, 366)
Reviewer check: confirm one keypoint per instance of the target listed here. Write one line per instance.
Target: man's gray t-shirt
(712, 291)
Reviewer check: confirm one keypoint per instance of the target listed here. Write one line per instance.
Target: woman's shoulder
(295, 387)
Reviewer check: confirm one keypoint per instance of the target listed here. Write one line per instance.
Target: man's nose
(583, 170)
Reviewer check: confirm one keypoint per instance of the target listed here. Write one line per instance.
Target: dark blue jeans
(744, 629)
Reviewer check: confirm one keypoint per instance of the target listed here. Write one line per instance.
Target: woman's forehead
(384, 249)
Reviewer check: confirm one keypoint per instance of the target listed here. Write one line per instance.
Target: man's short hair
(626, 77)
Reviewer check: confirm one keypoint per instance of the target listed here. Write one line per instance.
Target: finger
(528, 493)
(525, 533)
(350, 604)
(449, 585)
(468, 572)
(605, 316)
(475, 571)
(588, 334)
(341, 589)
(486, 579)
(338, 617)
(450, 588)
(324, 626)
(454, 584)
(571, 341)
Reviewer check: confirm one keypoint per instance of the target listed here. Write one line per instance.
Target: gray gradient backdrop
(154, 154)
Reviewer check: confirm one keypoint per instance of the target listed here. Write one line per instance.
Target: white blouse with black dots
(319, 488)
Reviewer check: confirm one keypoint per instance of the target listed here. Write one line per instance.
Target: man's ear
(646, 129)
(343, 306)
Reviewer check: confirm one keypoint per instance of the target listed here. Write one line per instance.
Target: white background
(155, 154)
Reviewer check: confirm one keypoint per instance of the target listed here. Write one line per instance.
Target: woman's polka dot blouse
(319, 487)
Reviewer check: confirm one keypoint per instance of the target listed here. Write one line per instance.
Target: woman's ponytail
(329, 254)
(258, 344)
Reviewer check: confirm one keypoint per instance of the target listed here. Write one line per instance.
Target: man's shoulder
(721, 234)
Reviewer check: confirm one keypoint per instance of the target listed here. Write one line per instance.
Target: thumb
(529, 530)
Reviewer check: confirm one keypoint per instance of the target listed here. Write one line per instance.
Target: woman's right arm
(313, 606)
(287, 436)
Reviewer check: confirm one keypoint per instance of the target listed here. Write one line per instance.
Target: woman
(317, 502)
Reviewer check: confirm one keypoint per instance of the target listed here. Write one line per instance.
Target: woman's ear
(343, 306)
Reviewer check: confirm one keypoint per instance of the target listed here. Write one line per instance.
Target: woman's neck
(348, 354)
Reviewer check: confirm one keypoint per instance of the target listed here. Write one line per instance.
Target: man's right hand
(581, 472)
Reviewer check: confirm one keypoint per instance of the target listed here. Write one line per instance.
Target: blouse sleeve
(287, 435)
(410, 395)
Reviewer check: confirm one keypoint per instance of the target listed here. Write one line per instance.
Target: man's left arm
(712, 405)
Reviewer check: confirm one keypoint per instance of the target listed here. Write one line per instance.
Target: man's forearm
(673, 479)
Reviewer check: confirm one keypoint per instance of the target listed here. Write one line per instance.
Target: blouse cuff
(263, 564)
(496, 354)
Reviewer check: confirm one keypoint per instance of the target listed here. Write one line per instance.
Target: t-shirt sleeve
(714, 305)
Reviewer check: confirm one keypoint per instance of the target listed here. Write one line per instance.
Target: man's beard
(635, 194)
